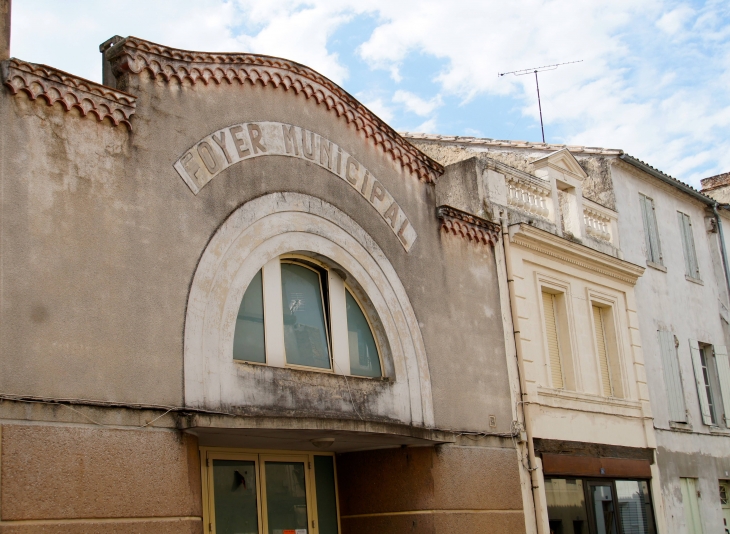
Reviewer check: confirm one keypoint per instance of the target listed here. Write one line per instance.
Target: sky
(654, 76)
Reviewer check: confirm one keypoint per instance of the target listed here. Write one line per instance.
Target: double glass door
(270, 493)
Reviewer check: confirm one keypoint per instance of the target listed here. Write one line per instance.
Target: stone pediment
(133, 56)
(562, 160)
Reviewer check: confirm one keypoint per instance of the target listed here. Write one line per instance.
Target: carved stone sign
(219, 150)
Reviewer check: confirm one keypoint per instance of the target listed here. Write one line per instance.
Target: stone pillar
(4, 29)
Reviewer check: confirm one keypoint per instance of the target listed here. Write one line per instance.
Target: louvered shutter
(651, 231)
(672, 377)
(602, 351)
(551, 332)
(688, 245)
(694, 348)
(723, 374)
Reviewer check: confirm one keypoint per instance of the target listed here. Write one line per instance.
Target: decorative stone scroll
(54, 85)
(223, 148)
(468, 226)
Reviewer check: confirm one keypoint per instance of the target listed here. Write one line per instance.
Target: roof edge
(669, 180)
(133, 55)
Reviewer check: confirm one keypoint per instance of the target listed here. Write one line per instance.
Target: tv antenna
(536, 70)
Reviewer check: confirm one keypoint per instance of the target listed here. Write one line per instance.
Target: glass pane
(364, 360)
(234, 490)
(248, 339)
(286, 497)
(602, 498)
(566, 506)
(305, 337)
(634, 507)
(324, 476)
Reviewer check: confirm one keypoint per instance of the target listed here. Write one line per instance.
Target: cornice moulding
(468, 226)
(133, 55)
(70, 91)
(557, 247)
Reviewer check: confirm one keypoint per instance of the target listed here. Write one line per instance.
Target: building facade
(677, 315)
(234, 300)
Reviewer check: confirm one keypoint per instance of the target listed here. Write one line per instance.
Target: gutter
(709, 202)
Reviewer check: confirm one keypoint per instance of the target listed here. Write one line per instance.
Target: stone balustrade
(528, 196)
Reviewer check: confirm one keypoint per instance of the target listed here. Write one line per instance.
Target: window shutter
(647, 226)
(551, 332)
(694, 348)
(672, 377)
(688, 245)
(654, 232)
(723, 374)
(602, 351)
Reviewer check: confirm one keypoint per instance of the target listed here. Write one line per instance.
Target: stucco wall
(101, 239)
(668, 301)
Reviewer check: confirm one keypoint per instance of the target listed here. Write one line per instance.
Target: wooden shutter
(601, 345)
(691, 505)
(692, 268)
(651, 231)
(551, 332)
(723, 375)
(672, 377)
(694, 348)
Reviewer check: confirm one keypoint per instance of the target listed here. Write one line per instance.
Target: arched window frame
(334, 310)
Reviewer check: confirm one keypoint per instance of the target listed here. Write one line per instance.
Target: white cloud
(674, 20)
(653, 81)
(416, 104)
(427, 127)
(377, 106)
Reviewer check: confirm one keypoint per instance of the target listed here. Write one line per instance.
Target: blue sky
(654, 81)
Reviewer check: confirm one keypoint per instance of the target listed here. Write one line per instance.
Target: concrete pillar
(4, 29)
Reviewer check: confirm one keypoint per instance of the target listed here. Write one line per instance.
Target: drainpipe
(723, 250)
(532, 463)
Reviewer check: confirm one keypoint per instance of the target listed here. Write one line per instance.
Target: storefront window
(605, 506)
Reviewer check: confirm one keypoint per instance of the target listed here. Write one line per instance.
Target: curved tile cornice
(134, 55)
(54, 85)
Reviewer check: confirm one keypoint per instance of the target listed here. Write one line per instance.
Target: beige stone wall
(89, 479)
(426, 490)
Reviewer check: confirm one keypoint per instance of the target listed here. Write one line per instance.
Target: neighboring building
(576, 330)
(679, 307)
(233, 301)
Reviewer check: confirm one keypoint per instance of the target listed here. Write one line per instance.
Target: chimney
(717, 187)
(4, 29)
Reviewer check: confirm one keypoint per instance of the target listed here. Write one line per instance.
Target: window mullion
(338, 324)
(273, 314)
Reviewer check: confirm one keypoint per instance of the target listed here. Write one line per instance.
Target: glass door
(285, 484)
(233, 483)
(602, 507)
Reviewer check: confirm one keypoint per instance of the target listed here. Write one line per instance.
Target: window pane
(603, 508)
(286, 496)
(364, 360)
(248, 339)
(566, 506)
(305, 336)
(234, 490)
(634, 507)
(324, 475)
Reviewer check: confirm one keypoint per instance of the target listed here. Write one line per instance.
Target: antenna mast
(536, 70)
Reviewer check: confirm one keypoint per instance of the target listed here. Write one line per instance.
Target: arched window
(323, 324)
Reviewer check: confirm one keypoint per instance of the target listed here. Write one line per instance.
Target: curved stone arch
(266, 228)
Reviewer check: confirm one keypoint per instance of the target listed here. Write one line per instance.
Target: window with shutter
(553, 343)
(723, 375)
(672, 377)
(702, 381)
(651, 230)
(602, 347)
(692, 268)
